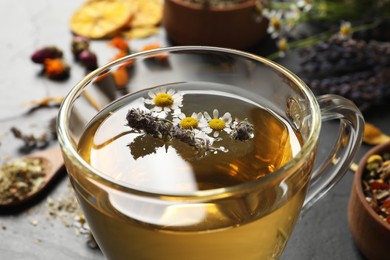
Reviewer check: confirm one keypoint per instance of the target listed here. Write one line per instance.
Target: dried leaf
(373, 135)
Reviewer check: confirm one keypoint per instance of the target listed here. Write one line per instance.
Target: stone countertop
(31, 233)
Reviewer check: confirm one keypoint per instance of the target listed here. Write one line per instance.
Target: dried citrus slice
(140, 32)
(373, 135)
(148, 12)
(99, 19)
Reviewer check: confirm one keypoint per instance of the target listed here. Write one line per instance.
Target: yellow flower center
(282, 44)
(217, 124)
(163, 100)
(189, 122)
(345, 30)
(276, 23)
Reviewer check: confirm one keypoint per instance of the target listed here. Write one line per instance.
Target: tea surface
(140, 160)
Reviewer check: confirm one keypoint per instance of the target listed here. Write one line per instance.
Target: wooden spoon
(53, 165)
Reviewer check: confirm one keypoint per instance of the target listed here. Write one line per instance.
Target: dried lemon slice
(140, 32)
(149, 13)
(99, 19)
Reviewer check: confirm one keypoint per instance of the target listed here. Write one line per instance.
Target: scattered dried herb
(120, 43)
(88, 59)
(30, 140)
(19, 178)
(82, 53)
(121, 77)
(79, 44)
(44, 102)
(67, 209)
(56, 69)
(50, 52)
(376, 184)
(152, 46)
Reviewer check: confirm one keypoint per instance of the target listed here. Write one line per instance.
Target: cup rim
(378, 149)
(65, 140)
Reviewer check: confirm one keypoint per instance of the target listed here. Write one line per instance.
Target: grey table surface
(29, 234)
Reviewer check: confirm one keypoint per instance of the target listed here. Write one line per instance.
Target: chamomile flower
(188, 122)
(164, 100)
(275, 23)
(345, 30)
(305, 5)
(282, 46)
(216, 124)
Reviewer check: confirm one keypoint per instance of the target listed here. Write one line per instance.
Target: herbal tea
(186, 138)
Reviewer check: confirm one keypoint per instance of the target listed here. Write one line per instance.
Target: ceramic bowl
(370, 233)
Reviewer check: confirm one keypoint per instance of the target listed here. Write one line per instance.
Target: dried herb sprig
(144, 121)
(148, 123)
(31, 141)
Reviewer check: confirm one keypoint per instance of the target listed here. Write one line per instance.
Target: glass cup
(252, 220)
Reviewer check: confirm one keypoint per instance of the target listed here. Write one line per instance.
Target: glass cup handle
(333, 168)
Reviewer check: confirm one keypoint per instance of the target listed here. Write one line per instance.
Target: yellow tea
(213, 155)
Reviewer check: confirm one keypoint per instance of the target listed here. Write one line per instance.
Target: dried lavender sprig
(188, 136)
(157, 127)
(144, 121)
(141, 120)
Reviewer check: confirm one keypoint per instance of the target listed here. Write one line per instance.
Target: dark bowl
(235, 26)
(370, 232)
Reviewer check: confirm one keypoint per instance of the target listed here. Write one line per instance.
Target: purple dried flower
(79, 44)
(50, 52)
(88, 59)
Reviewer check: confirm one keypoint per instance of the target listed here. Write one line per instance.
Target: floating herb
(166, 121)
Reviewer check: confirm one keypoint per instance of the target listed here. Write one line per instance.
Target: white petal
(215, 113)
(171, 92)
(199, 116)
(216, 134)
(194, 115)
(149, 101)
(207, 116)
(157, 109)
(176, 111)
(227, 130)
(207, 130)
(161, 90)
(161, 115)
(202, 124)
(178, 101)
(227, 117)
(181, 115)
(151, 94)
